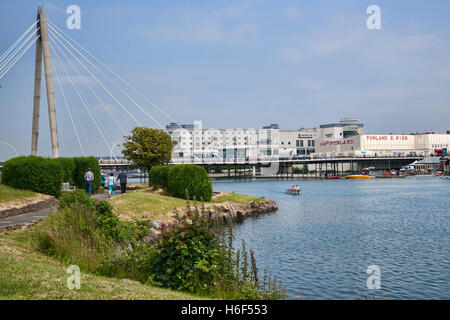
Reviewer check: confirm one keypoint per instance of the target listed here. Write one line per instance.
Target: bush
(189, 181)
(68, 168)
(72, 235)
(158, 176)
(186, 255)
(33, 173)
(68, 199)
(82, 164)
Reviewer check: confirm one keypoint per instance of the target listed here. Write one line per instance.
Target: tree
(147, 147)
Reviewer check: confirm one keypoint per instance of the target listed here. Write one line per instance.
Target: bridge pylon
(43, 51)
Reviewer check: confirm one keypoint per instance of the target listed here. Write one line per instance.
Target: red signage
(335, 143)
(386, 138)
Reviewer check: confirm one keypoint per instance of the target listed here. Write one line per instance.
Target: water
(321, 243)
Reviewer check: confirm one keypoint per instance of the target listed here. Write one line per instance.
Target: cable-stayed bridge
(91, 95)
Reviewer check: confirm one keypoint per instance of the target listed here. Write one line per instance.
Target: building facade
(193, 143)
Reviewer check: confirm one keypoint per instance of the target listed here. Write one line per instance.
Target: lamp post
(117, 143)
(9, 145)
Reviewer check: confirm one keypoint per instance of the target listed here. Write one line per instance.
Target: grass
(27, 274)
(10, 194)
(152, 205)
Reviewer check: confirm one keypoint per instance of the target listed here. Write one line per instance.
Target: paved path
(24, 220)
(30, 218)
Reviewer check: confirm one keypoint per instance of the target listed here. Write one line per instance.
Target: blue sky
(243, 64)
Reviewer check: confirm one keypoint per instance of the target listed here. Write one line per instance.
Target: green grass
(10, 194)
(27, 274)
(151, 205)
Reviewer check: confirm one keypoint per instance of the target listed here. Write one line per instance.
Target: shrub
(186, 255)
(68, 199)
(158, 177)
(189, 181)
(82, 164)
(72, 236)
(33, 173)
(68, 168)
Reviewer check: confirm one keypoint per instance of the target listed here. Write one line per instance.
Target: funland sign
(386, 138)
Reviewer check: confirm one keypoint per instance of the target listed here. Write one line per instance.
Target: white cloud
(290, 53)
(312, 85)
(292, 13)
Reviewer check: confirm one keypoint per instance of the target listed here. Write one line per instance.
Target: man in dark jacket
(123, 181)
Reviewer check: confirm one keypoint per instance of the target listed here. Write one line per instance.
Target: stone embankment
(239, 212)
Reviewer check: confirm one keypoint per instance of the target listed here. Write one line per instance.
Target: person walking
(123, 181)
(111, 183)
(88, 178)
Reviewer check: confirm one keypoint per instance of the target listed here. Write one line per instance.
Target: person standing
(88, 178)
(111, 183)
(123, 181)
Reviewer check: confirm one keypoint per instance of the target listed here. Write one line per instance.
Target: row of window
(302, 143)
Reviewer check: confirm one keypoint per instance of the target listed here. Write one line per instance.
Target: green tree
(147, 147)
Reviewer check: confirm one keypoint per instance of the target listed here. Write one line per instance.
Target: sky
(236, 64)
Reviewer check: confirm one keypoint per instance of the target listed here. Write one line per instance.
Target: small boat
(358, 176)
(294, 192)
(333, 177)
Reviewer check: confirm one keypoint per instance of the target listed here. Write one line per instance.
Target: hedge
(82, 164)
(33, 173)
(68, 167)
(157, 177)
(189, 181)
(46, 175)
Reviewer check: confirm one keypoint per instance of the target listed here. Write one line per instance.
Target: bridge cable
(95, 78)
(17, 59)
(5, 63)
(92, 91)
(68, 109)
(3, 56)
(114, 84)
(81, 97)
(116, 75)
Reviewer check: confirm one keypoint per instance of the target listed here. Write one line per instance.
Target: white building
(384, 145)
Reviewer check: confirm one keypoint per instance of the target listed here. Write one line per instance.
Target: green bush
(189, 181)
(186, 255)
(73, 236)
(33, 173)
(68, 168)
(68, 199)
(158, 177)
(82, 164)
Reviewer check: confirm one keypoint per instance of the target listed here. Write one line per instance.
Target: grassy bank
(27, 274)
(145, 204)
(9, 194)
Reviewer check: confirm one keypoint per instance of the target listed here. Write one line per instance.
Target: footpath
(32, 217)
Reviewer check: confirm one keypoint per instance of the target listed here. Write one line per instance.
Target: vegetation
(302, 170)
(189, 181)
(11, 194)
(147, 147)
(158, 177)
(82, 164)
(151, 205)
(46, 175)
(28, 274)
(33, 173)
(188, 254)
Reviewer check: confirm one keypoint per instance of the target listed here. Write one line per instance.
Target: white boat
(294, 192)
